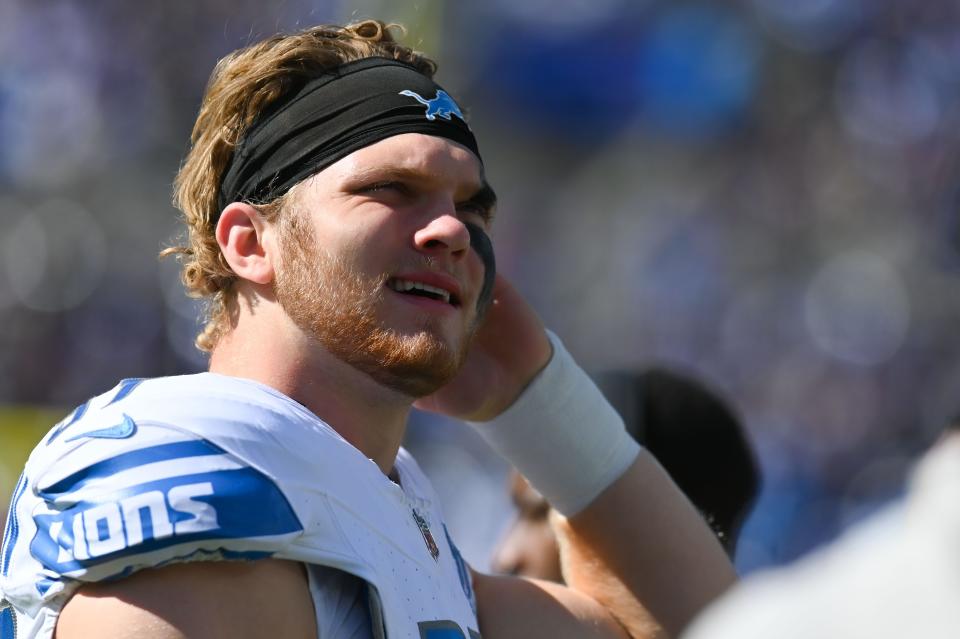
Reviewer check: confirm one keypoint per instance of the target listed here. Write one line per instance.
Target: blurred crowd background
(762, 193)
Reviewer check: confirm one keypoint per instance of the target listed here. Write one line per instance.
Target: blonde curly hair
(241, 87)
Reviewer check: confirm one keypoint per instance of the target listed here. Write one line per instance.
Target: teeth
(406, 285)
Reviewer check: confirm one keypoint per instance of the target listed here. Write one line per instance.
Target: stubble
(334, 303)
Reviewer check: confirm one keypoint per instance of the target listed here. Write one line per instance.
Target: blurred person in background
(338, 209)
(691, 431)
(894, 575)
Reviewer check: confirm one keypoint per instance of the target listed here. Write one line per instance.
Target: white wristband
(563, 435)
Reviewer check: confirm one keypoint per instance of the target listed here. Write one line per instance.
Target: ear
(243, 236)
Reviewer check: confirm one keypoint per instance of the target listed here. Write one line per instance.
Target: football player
(338, 208)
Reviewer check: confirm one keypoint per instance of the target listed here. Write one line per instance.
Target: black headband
(331, 116)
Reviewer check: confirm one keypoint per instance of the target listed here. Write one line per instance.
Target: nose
(444, 233)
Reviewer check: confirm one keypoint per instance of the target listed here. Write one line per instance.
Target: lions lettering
(113, 526)
(83, 527)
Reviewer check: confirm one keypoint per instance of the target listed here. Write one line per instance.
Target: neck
(368, 415)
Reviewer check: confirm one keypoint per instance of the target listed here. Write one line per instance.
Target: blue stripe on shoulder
(126, 461)
(202, 512)
(8, 623)
(126, 387)
(77, 413)
(13, 526)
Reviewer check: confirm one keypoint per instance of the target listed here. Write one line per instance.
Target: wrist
(563, 435)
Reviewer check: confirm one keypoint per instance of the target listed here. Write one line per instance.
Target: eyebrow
(484, 196)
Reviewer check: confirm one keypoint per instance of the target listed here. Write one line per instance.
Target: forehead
(428, 156)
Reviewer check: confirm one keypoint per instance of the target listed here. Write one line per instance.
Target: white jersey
(209, 468)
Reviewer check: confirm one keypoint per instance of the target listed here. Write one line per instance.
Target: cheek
(477, 266)
(366, 244)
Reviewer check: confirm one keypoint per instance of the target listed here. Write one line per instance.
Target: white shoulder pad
(127, 482)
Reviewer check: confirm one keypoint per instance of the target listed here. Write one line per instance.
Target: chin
(414, 365)
(412, 353)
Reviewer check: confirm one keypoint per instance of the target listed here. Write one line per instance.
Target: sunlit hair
(242, 86)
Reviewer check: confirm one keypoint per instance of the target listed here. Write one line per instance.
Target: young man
(337, 208)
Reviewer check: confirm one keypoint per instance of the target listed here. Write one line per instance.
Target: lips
(435, 286)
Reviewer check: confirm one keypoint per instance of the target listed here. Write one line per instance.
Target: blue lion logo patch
(442, 105)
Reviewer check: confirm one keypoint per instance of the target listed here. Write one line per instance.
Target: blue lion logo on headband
(442, 105)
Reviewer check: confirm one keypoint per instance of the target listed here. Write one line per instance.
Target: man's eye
(397, 187)
(476, 213)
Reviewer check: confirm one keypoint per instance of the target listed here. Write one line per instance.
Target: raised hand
(509, 349)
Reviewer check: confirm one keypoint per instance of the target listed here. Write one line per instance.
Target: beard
(335, 304)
